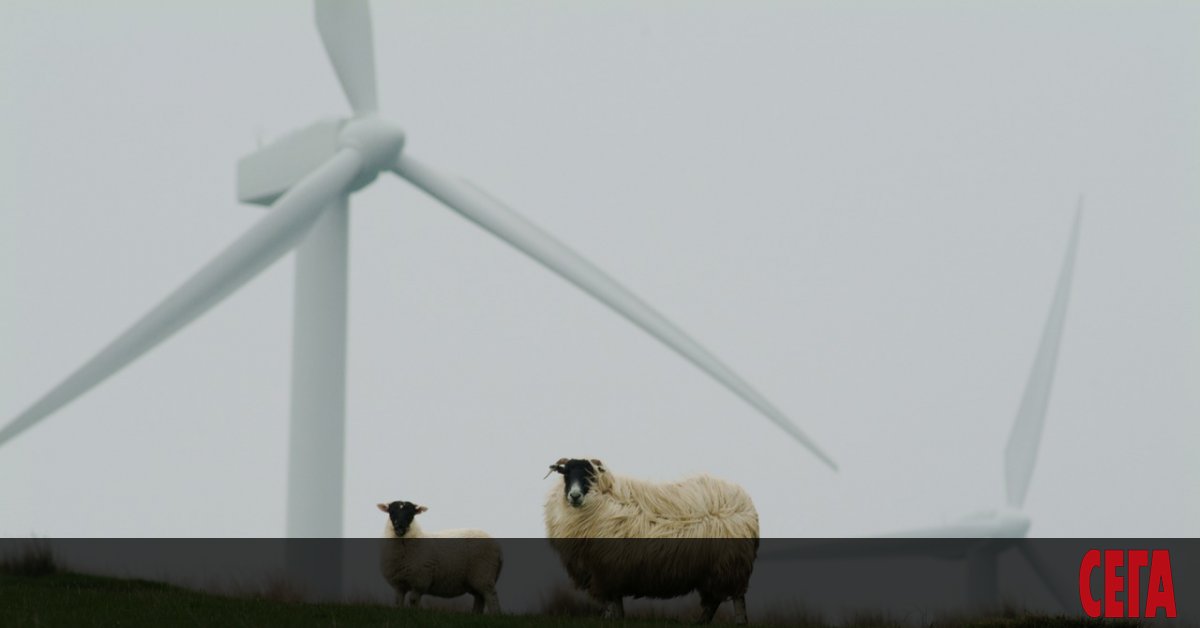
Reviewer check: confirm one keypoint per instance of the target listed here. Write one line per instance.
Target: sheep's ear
(382, 507)
(599, 465)
(558, 466)
(421, 509)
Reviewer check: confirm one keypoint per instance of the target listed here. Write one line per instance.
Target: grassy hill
(69, 599)
(35, 592)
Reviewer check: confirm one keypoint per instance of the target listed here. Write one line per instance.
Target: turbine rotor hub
(378, 142)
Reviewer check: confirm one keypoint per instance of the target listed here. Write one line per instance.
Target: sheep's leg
(400, 597)
(491, 602)
(739, 610)
(414, 599)
(477, 607)
(708, 607)
(614, 609)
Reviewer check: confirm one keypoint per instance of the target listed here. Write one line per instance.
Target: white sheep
(447, 564)
(619, 536)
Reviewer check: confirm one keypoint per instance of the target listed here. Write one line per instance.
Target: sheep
(702, 531)
(447, 564)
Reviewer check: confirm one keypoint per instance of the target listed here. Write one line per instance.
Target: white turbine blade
(509, 226)
(290, 217)
(1020, 453)
(1044, 571)
(345, 27)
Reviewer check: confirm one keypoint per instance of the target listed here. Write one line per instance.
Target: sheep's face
(579, 477)
(401, 515)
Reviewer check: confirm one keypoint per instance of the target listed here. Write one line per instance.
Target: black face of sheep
(401, 514)
(578, 478)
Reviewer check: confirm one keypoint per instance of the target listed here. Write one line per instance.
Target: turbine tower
(306, 179)
(985, 535)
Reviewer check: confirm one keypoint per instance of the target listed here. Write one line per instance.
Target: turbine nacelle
(264, 175)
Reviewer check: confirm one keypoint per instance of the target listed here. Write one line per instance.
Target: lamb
(702, 531)
(447, 564)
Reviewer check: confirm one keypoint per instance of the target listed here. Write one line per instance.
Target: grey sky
(860, 207)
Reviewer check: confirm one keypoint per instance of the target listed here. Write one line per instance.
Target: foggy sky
(861, 208)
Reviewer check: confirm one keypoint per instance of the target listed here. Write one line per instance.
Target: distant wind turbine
(306, 178)
(985, 535)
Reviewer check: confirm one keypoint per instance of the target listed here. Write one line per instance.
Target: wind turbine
(306, 178)
(986, 534)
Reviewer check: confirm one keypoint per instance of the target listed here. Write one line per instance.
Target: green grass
(68, 599)
(55, 598)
